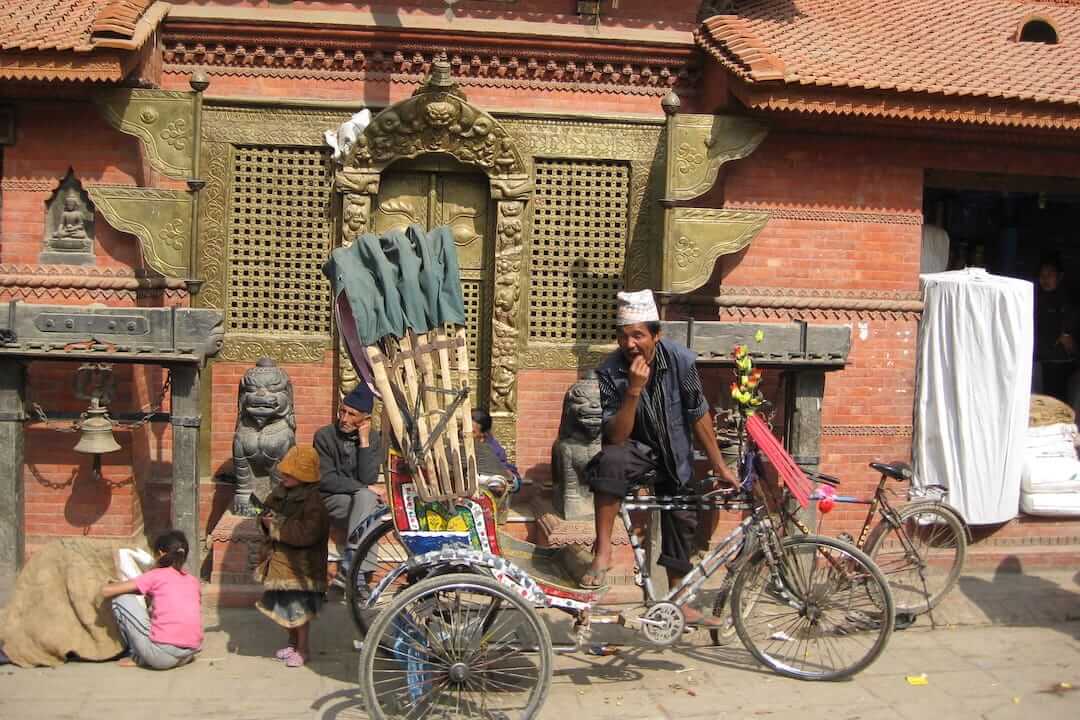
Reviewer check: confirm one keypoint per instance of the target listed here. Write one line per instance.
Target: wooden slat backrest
(405, 369)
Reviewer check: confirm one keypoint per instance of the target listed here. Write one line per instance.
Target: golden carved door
(443, 192)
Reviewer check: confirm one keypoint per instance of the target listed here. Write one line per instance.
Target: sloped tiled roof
(55, 39)
(947, 49)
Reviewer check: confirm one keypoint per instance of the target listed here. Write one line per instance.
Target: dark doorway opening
(1007, 224)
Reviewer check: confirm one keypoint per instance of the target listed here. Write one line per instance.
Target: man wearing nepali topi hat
(349, 460)
(653, 407)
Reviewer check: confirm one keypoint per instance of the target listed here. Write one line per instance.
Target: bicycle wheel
(922, 557)
(822, 612)
(456, 646)
(388, 552)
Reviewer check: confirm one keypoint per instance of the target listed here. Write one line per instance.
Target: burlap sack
(1046, 410)
(55, 610)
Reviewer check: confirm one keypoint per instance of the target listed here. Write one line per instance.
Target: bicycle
(465, 637)
(921, 547)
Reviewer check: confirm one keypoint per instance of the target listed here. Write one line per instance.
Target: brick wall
(52, 137)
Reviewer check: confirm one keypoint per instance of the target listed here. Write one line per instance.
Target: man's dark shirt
(344, 466)
(671, 401)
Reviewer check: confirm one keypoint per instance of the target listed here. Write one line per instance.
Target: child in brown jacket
(297, 527)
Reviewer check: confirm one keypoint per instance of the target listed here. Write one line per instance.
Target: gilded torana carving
(507, 298)
(437, 119)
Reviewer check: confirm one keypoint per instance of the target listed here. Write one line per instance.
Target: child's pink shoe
(295, 660)
(284, 653)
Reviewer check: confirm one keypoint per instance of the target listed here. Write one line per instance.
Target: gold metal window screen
(471, 291)
(279, 237)
(579, 237)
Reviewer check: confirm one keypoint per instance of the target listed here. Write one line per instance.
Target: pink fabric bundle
(792, 475)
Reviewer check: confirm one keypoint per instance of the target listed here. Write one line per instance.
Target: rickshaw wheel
(456, 646)
(387, 554)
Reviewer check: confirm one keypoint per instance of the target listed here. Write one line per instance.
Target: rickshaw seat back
(424, 384)
(401, 315)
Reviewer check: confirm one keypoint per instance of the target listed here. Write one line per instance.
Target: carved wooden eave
(235, 42)
(160, 219)
(913, 108)
(163, 120)
(167, 124)
(698, 148)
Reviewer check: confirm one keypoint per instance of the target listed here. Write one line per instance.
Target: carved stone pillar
(806, 390)
(185, 464)
(12, 416)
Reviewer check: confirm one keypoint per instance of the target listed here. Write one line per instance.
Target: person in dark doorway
(349, 460)
(653, 405)
(1055, 320)
(491, 458)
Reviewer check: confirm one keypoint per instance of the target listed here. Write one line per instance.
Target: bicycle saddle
(896, 470)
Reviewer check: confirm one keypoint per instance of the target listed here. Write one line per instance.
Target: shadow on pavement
(249, 633)
(341, 705)
(1012, 597)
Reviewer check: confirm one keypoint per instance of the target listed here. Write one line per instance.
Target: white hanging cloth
(973, 390)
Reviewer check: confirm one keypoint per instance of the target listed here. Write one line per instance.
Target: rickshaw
(461, 628)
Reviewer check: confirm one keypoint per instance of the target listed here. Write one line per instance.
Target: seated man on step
(349, 460)
(653, 404)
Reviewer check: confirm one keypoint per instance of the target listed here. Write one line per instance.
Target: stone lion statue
(578, 442)
(265, 428)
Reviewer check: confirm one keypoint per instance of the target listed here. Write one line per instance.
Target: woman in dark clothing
(297, 527)
(1055, 318)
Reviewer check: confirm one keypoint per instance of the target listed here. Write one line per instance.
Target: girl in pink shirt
(171, 633)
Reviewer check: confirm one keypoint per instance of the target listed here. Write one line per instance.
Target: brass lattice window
(279, 237)
(471, 291)
(578, 248)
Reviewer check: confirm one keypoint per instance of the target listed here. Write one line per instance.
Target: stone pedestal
(56, 257)
(235, 546)
(553, 531)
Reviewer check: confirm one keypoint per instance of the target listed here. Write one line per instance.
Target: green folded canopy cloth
(396, 282)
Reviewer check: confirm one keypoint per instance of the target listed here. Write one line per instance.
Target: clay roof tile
(71, 25)
(967, 48)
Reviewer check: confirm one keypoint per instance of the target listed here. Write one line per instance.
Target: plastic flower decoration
(746, 390)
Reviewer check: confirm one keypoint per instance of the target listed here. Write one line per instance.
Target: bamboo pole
(433, 410)
(462, 348)
(412, 384)
(377, 361)
(452, 427)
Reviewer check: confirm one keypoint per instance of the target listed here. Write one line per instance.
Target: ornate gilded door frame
(439, 119)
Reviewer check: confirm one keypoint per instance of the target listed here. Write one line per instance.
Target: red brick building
(861, 123)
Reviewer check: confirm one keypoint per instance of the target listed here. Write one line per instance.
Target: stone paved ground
(974, 670)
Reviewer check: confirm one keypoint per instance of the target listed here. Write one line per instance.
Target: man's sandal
(695, 618)
(594, 578)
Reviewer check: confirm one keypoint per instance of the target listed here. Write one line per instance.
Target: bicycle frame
(878, 503)
(726, 551)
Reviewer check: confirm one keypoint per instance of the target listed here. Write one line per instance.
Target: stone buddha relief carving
(69, 225)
